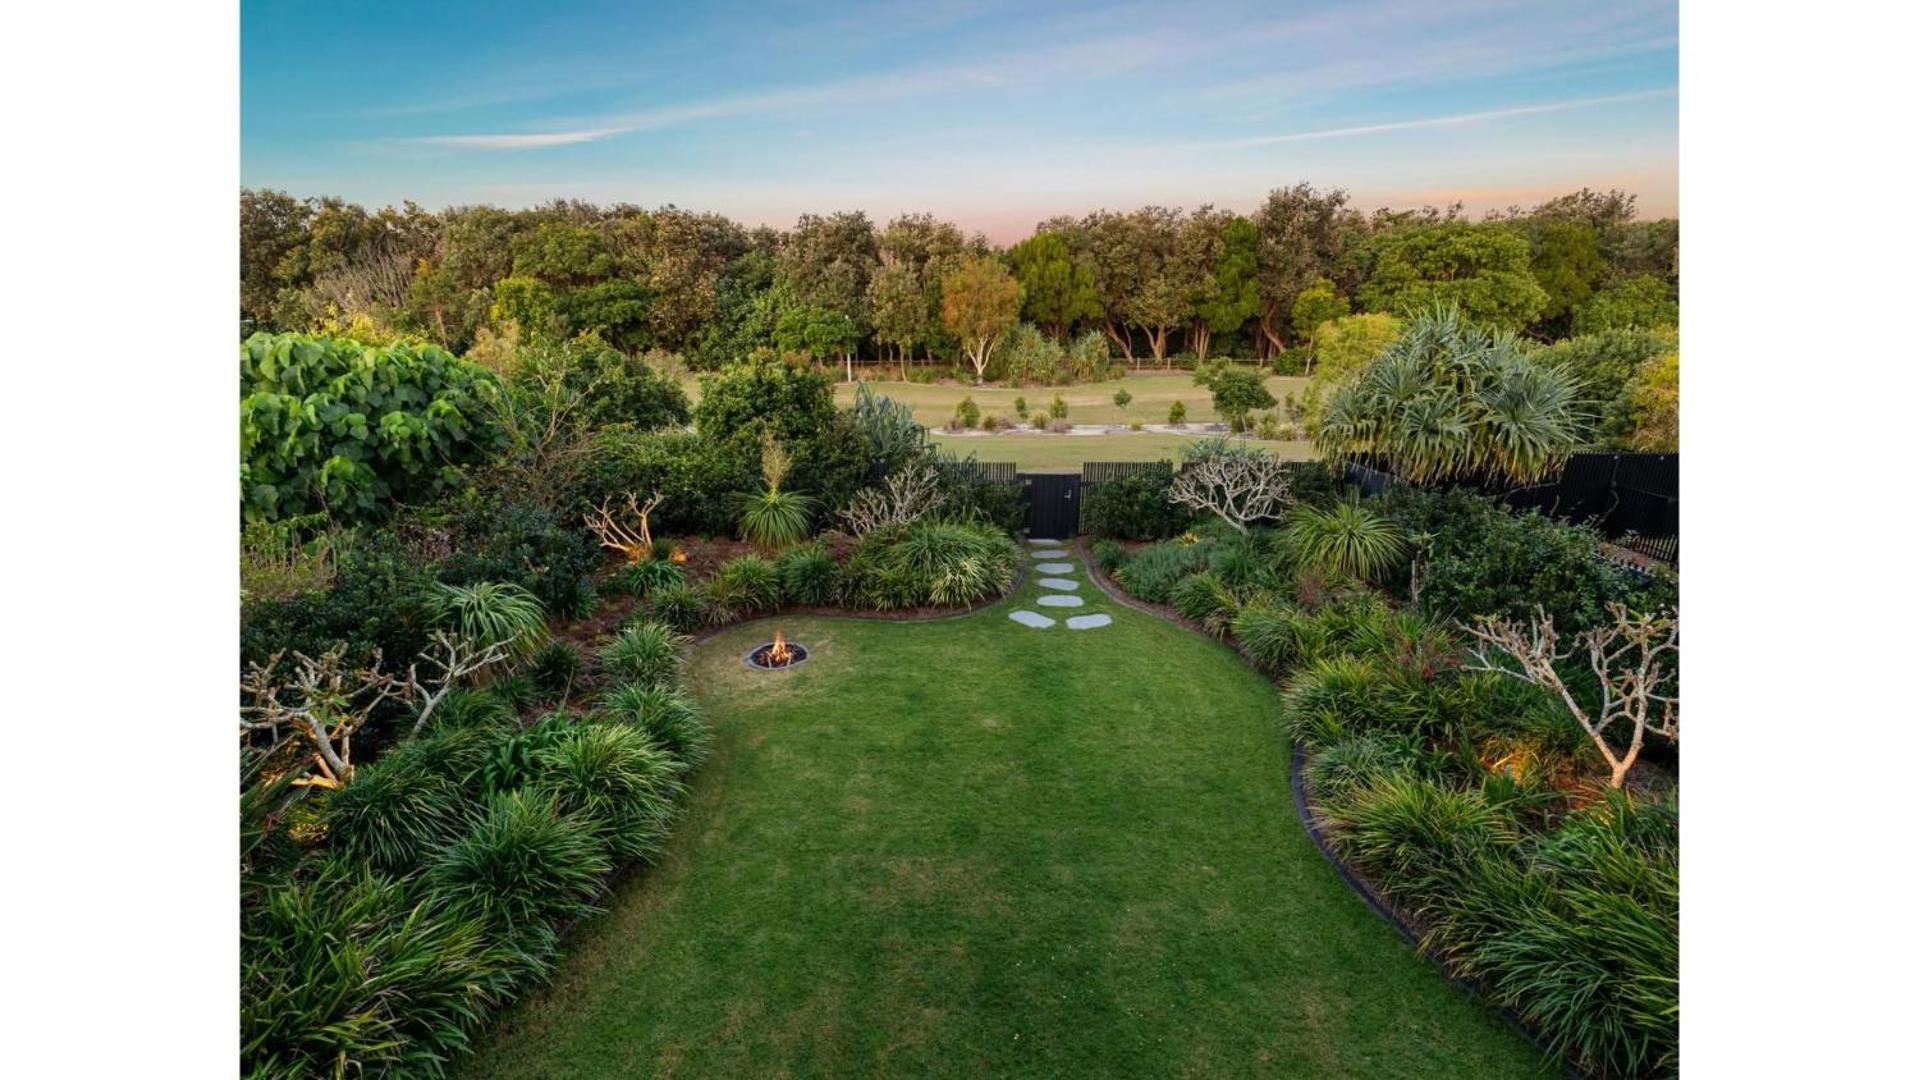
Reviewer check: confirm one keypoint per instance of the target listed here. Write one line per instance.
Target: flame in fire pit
(779, 654)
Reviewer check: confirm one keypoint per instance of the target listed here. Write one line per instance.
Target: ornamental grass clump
(648, 653)
(617, 782)
(808, 575)
(665, 713)
(524, 866)
(747, 585)
(398, 811)
(1346, 539)
(491, 613)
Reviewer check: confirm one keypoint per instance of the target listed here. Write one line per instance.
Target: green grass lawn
(1065, 453)
(1087, 403)
(968, 848)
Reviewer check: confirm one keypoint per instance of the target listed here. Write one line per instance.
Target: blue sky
(994, 114)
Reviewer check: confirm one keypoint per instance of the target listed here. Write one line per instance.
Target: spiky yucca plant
(1347, 539)
(770, 516)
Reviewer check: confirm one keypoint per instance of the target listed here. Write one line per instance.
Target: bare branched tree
(1634, 658)
(907, 495)
(374, 279)
(454, 659)
(635, 544)
(1240, 488)
(316, 707)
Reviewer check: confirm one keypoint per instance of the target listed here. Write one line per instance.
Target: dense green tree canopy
(1484, 270)
(1059, 289)
(1642, 302)
(764, 392)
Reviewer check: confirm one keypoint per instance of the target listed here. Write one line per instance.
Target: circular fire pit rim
(805, 654)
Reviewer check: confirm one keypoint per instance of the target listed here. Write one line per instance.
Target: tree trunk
(1125, 342)
(849, 367)
(1157, 337)
(1202, 340)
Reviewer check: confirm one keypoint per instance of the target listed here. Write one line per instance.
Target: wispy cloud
(1454, 120)
(529, 141)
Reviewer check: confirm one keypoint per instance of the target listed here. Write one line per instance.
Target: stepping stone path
(1063, 588)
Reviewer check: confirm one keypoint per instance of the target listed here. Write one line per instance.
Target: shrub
(379, 600)
(1109, 555)
(1058, 409)
(667, 716)
(764, 394)
(397, 810)
(1205, 599)
(1485, 559)
(1176, 415)
(615, 781)
(1333, 698)
(1268, 633)
(491, 613)
(328, 424)
(504, 757)
(1122, 398)
(1135, 507)
(679, 606)
(642, 579)
(1346, 539)
(967, 413)
(1019, 406)
(1237, 393)
(350, 973)
(696, 475)
(930, 563)
(555, 667)
(517, 541)
(771, 516)
(524, 866)
(746, 585)
(808, 575)
(1408, 831)
(649, 653)
(1153, 571)
(1343, 768)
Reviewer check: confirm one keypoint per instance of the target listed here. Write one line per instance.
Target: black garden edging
(1317, 830)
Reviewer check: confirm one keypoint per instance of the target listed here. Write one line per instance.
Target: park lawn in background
(970, 848)
(1086, 403)
(1065, 453)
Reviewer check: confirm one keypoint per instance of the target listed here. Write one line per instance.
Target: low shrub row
(1470, 799)
(384, 921)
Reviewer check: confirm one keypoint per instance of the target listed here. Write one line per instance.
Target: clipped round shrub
(616, 781)
(808, 575)
(524, 864)
(666, 714)
(648, 653)
(680, 606)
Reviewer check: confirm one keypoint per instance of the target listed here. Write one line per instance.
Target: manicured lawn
(969, 848)
(1088, 403)
(1065, 453)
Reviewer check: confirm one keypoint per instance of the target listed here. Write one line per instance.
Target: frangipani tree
(1449, 399)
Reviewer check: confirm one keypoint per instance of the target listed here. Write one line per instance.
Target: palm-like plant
(492, 613)
(1346, 538)
(770, 516)
(1450, 399)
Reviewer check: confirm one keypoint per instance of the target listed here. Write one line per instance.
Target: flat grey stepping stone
(1060, 583)
(1088, 622)
(1037, 541)
(1055, 568)
(1053, 554)
(1059, 600)
(1032, 618)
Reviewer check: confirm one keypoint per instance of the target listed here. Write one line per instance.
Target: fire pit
(777, 654)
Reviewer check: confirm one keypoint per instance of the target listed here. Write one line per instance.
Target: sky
(993, 114)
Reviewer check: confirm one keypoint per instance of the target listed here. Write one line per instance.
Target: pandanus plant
(1449, 399)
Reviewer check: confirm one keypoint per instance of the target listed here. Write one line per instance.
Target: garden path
(1061, 591)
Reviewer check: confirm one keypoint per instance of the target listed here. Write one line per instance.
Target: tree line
(1154, 282)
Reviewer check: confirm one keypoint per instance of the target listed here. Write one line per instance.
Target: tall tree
(898, 299)
(1116, 253)
(828, 263)
(1164, 302)
(979, 303)
(1567, 263)
(1226, 290)
(1484, 270)
(1302, 234)
(1060, 291)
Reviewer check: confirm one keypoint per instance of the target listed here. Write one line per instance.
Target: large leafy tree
(1483, 270)
(1318, 305)
(1567, 263)
(1226, 291)
(828, 263)
(1302, 235)
(1605, 363)
(1642, 302)
(1119, 256)
(979, 303)
(900, 315)
(764, 393)
(1449, 398)
(1059, 289)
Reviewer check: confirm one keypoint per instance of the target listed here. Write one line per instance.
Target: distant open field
(1087, 403)
(1065, 453)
